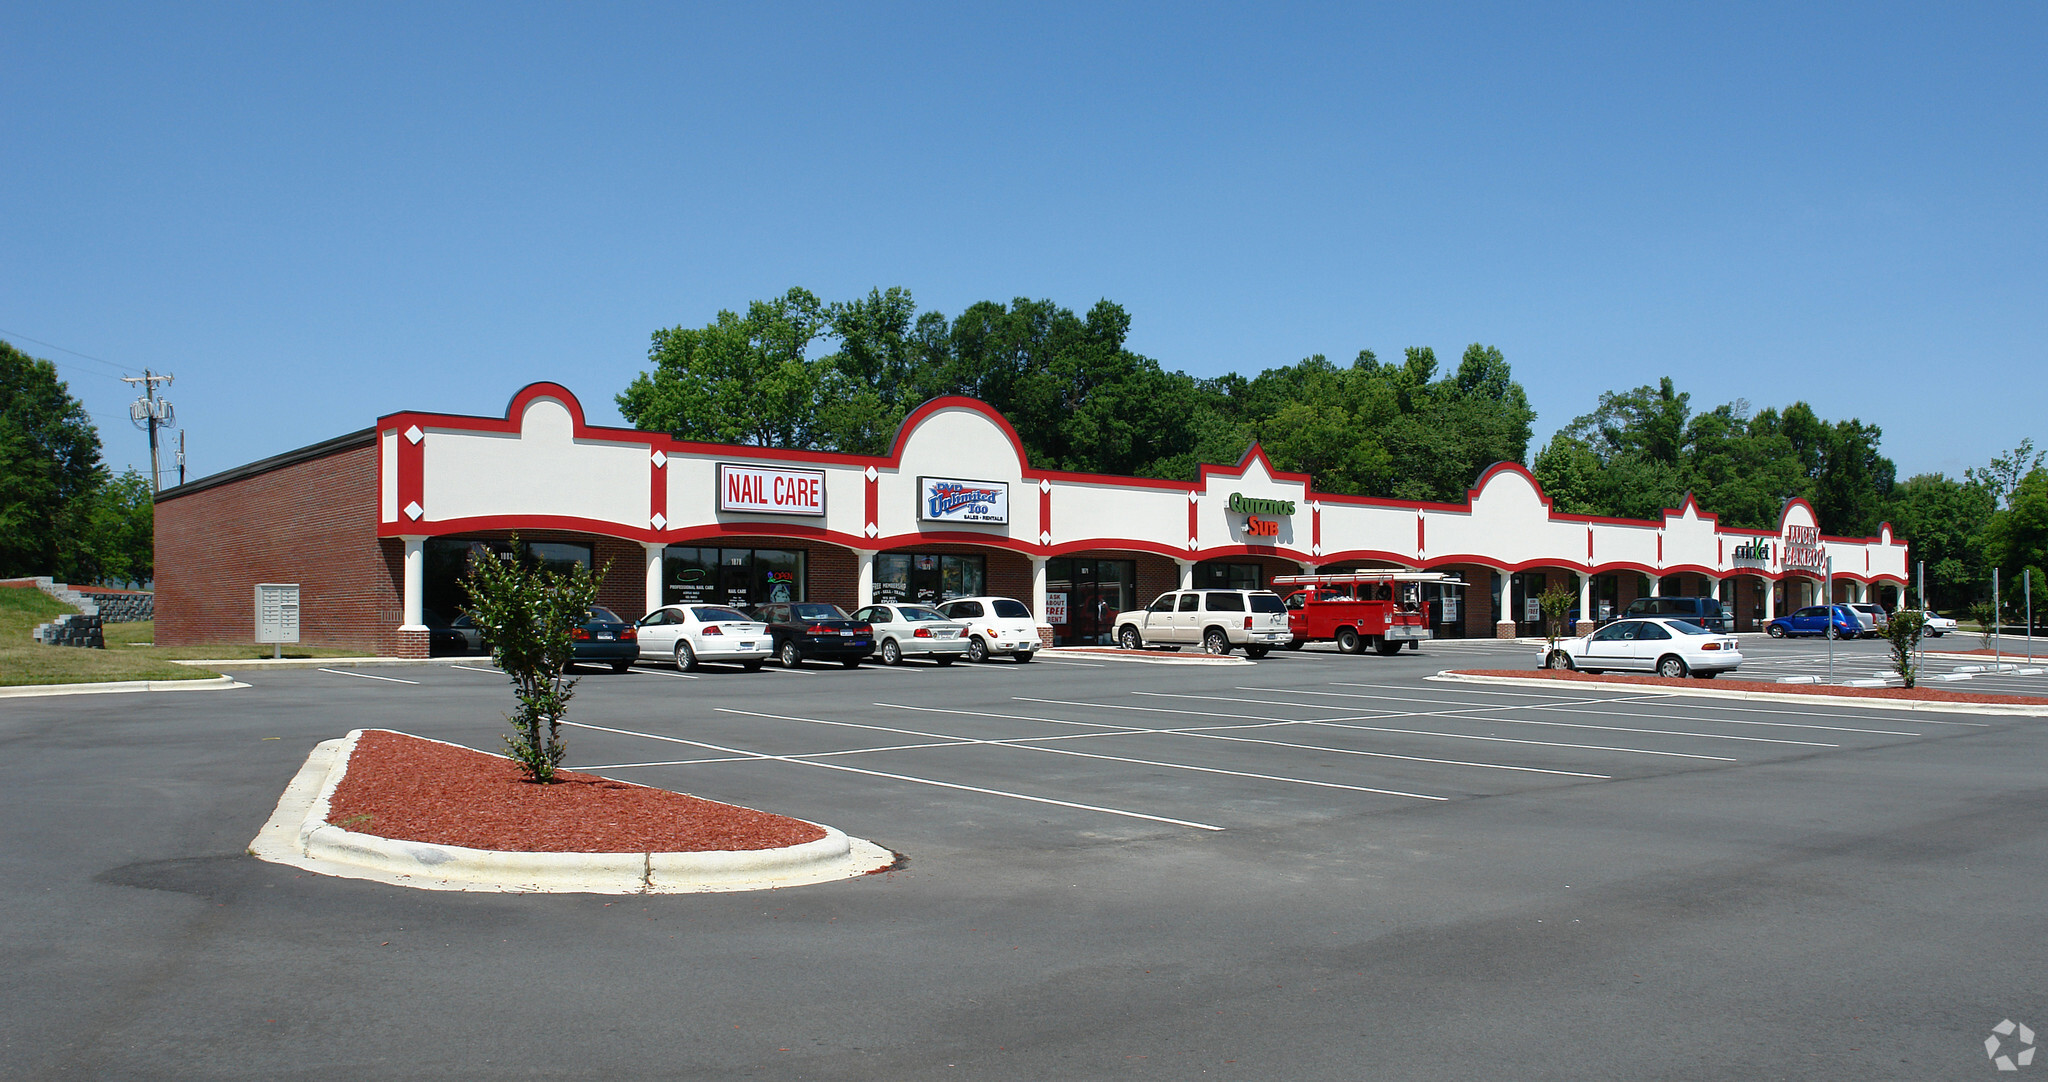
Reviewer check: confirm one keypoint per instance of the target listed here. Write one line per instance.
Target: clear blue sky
(315, 214)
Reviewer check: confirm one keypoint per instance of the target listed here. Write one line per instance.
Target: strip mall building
(376, 526)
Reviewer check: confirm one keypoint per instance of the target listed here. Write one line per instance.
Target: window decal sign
(775, 491)
(946, 499)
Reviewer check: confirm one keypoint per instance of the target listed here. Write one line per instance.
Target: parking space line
(1589, 706)
(1032, 744)
(658, 672)
(472, 668)
(367, 676)
(763, 757)
(1207, 733)
(1466, 713)
(1343, 723)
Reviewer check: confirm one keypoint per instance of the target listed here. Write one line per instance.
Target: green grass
(127, 657)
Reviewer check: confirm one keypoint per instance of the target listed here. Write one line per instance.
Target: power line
(4, 332)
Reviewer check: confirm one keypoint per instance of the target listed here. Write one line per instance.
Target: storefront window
(927, 578)
(447, 562)
(731, 576)
(1217, 575)
(1083, 597)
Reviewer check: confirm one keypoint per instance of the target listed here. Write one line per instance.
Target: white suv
(995, 625)
(1216, 620)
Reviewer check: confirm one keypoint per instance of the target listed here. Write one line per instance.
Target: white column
(1656, 585)
(415, 584)
(1307, 568)
(1770, 599)
(1187, 574)
(864, 587)
(653, 573)
(1039, 579)
(1501, 595)
(1585, 599)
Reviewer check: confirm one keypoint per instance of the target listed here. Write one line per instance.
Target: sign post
(1827, 598)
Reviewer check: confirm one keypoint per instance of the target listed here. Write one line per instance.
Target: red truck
(1357, 609)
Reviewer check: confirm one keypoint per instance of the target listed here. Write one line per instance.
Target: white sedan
(1664, 647)
(914, 631)
(694, 633)
(1935, 626)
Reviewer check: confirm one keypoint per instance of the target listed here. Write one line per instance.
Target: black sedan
(814, 629)
(603, 638)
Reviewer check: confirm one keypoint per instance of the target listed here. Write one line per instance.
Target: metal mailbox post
(277, 614)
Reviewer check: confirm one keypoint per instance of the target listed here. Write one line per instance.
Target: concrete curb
(224, 664)
(1145, 657)
(2030, 710)
(298, 834)
(117, 687)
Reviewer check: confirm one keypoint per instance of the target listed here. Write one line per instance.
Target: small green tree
(1557, 601)
(527, 615)
(1904, 632)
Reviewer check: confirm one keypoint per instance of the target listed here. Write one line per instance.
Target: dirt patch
(409, 789)
(1920, 694)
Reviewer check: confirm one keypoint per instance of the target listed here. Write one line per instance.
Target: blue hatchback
(1834, 621)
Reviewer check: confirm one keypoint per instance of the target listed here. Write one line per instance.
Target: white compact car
(914, 631)
(1664, 647)
(1935, 626)
(995, 625)
(694, 633)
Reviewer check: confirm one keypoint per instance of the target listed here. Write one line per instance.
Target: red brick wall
(1156, 575)
(313, 523)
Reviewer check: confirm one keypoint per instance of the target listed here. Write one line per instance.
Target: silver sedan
(914, 631)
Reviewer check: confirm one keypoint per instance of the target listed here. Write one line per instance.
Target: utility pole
(149, 412)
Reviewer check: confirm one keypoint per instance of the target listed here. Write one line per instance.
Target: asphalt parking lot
(1317, 866)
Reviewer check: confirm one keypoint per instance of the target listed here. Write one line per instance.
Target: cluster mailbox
(277, 614)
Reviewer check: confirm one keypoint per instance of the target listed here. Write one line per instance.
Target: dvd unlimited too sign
(947, 499)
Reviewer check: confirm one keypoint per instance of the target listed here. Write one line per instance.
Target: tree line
(796, 371)
(62, 512)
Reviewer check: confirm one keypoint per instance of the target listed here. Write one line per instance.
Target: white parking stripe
(472, 668)
(1467, 714)
(1032, 744)
(670, 675)
(757, 756)
(1205, 733)
(1342, 724)
(367, 676)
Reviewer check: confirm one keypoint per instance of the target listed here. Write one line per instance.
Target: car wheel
(1129, 639)
(1216, 642)
(1776, 632)
(892, 654)
(791, 656)
(1560, 660)
(686, 658)
(1347, 640)
(622, 666)
(943, 659)
(1934, 634)
(850, 662)
(1832, 633)
(977, 650)
(1255, 651)
(1671, 665)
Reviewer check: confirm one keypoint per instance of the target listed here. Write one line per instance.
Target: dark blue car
(1834, 621)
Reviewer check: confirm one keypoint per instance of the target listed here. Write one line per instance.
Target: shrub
(527, 614)
(1904, 632)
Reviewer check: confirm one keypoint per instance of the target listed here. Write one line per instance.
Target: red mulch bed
(1919, 694)
(409, 789)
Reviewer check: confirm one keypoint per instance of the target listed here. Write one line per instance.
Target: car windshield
(1688, 629)
(1010, 610)
(815, 610)
(911, 612)
(601, 615)
(711, 615)
(1267, 603)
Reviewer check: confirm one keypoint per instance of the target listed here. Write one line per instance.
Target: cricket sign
(947, 499)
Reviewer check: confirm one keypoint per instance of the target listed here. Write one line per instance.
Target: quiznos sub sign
(947, 499)
(1251, 509)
